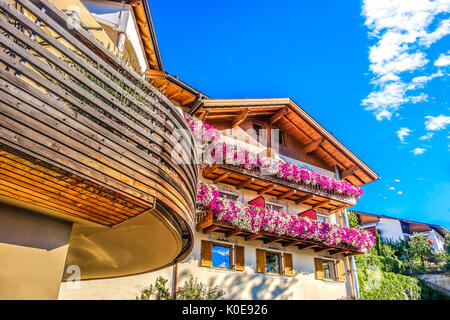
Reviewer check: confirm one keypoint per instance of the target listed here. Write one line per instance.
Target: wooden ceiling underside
(171, 90)
(272, 186)
(28, 179)
(289, 120)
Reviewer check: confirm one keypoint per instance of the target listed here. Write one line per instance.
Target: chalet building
(395, 230)
(92, 187)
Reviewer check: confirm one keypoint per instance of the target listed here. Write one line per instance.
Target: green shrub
(192, 290)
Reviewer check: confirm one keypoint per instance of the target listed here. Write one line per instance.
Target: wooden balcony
(207, 223)
(277, 187)
(84, 135)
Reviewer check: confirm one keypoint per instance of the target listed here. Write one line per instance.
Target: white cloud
(437, 123)
(402, 133)
(400, 192)
(428, 136)
(418, 151)
(443, 60)
(391, 188)
(396, 180)
(403, 29)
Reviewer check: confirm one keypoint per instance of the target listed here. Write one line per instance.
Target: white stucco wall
(391, 229)
(247, 284)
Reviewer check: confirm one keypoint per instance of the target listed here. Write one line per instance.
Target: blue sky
(374, 73)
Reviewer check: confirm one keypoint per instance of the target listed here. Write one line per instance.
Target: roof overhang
(287, 115)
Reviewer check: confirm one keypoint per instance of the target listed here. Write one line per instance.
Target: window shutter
(239, 258)
(206, 254)
(288, 267)
(340, 271)
(319, 268)
(260, 261)
(259, 202)
(311, 214)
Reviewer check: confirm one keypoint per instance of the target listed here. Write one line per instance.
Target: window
(405, 227)
(328, 269)
(322, 217)
(258, 132)
(281, 138)
(229, 195)
(276, 206)
(222, 256)
(273, 262)
(331, 270)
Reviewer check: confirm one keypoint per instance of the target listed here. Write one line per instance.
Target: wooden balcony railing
(80, 131)
(271, 185)
(207, 223)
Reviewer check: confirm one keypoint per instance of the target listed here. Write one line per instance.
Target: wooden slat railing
(71, 104)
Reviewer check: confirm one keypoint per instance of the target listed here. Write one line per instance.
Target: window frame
(335, 269)
(277, 204)
(321, 215)
(233, 258)
(230, 193)
(331, 263)
(280, 262)
(231, 255)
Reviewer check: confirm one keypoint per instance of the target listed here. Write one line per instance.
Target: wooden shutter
(288, 267)
(260, 261)
(340, 271)
(239, 258)
(319, 268)
(206, 254)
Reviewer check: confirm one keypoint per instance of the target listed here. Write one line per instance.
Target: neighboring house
(394, 229)
(87, 186)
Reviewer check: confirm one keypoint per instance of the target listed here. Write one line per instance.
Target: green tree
(420, 247)
(352, 219)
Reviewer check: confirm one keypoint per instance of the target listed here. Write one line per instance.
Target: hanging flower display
(255, 219)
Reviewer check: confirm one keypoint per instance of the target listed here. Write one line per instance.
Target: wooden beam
(322, 249)
(348, 172)
(210, 229)
(240, 118)
(277, 116)
(307, 246)
(338, 209)
(175, 94)
(337, 251)
(244, 183)
(272, 240)
(291, 243)
(222, 177)
(210, 169)
(233, 233)
(305, 198)
(286, 194)
(267, 189)
(320, 204)
(254, 236)
(310, 147)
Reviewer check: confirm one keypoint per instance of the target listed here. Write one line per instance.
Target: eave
(287, 115)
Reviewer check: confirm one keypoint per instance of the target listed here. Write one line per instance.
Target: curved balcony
(86, 138)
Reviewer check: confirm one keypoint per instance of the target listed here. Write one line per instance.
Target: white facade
(246, 284)
(438, 240)
(391, 229)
